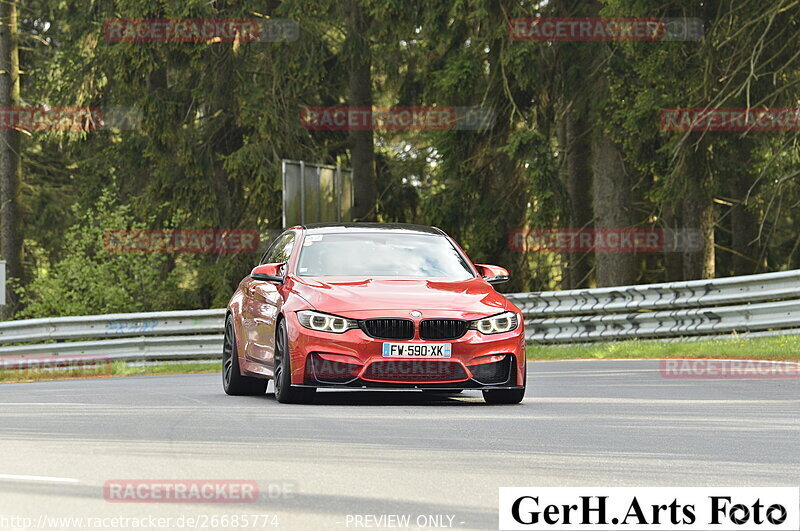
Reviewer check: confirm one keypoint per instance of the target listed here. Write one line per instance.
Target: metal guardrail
(180, 335)
(754, 305)
(112, 325)
(672, 295)
(130, 349)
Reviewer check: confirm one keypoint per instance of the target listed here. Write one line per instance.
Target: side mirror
(493, 274)
(268, 273)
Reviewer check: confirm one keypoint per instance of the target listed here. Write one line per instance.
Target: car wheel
(232, 380)
(503, 396)
(284, 392)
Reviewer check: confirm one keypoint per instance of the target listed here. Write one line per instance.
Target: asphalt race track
(439, 460)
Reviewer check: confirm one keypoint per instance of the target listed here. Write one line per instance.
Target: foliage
(218, 117)
(92, 279)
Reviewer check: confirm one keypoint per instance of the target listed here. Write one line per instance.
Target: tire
(506, 396)
(232, 380)
(284, 392)
(503, 396)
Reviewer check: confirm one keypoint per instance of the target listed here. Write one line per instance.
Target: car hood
(360, 297)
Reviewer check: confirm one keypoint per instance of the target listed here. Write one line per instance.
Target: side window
(270, 250)
(284, 250)
(281, 250)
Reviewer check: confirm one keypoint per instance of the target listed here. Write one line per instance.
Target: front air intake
(415, 371)
(442, 329)
(401, 329)
(497, 372)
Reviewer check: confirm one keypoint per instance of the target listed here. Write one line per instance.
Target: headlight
(323, 322)
(497, 324)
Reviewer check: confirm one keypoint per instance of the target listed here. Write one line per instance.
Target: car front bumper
(354, 360)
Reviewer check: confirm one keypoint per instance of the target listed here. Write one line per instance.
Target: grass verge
(775, 348)
(116, 369)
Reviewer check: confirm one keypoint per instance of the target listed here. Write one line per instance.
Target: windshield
(381, 255)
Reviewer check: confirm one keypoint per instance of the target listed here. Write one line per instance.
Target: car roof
(340, 228)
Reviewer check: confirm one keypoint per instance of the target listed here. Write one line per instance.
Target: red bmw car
(372, 305)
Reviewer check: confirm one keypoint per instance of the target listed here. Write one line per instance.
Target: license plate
(416, 350)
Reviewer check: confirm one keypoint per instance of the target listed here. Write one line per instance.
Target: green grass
(777, 348)
(117, 369)
(188, 367)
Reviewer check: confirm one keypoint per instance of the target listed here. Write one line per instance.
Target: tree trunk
(362, 148)
(507, 186)
(673, 260)
(744, 228)
(697, 213)
(10, 220)
(227, 137)
(612, 192)
(578, 67)
(578, 183)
